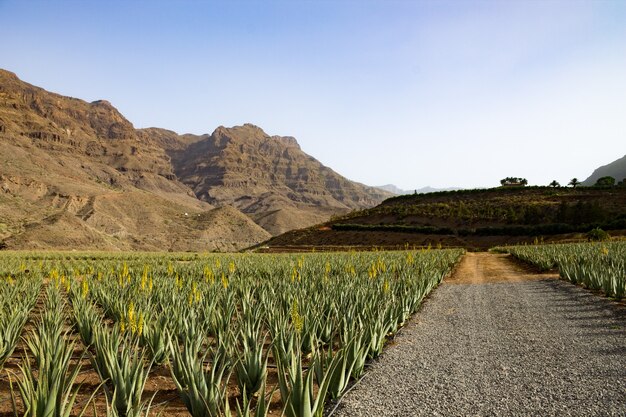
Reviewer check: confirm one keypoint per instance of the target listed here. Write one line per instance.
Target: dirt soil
(485, 267)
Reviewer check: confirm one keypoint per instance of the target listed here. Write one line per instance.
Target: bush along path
(496, 339)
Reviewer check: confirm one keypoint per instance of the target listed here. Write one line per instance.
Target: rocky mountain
(428, 189)
(78, 175)
(393, 189)
(616, 169)
(75, 174)
(267, 177)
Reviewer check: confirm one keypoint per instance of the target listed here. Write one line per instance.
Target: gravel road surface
(484, 345)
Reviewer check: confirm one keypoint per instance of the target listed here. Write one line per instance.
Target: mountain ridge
(615, 169)
(428, 189)
(75, 174)
(267, 177)
(76, 168)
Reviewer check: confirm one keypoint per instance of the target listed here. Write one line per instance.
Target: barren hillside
(78, 175)
(267, 177)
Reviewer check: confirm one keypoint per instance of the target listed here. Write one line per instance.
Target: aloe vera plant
(597, 266)
(201, 387)
(49, 391)
(87, 318)
(155, 337)
(17, 299)
(10, 328)
(337, 367)
(251, 365)
(297, 388)
(119, 360)
(376, 332)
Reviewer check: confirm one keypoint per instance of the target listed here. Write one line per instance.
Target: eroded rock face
(74, 159)
(261, 174)
(77, 175)
(95, 130)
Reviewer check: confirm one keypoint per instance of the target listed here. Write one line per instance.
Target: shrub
(597, 235)
(605, 182)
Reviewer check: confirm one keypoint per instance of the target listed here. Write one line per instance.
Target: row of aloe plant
(47, 374)
(18, 295)
(332, 309)
(123, 367)
(219, 322)
(598, 266)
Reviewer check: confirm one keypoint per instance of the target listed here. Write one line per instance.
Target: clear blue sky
(414, 93)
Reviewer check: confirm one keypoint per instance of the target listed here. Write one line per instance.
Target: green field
(226, 329)
(597, 266)
(231, 334)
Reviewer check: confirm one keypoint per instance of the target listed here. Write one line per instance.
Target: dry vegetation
(473, 219)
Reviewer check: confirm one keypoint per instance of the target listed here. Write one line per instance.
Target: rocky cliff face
(75, 174)
(78, 175)
(267, 177)
(93, 130)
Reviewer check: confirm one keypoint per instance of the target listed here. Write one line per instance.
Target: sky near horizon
(414, 93)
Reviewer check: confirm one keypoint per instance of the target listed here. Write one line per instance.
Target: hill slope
(78, 175)
(267, 177)
(470, 218)
(616, 169)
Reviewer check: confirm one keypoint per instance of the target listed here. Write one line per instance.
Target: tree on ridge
(574, 182)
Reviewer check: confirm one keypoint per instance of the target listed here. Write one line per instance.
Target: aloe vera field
(213, 335)
(222, 335)
(597, 266)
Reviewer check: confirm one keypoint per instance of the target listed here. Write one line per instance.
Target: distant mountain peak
(104, 103)
(268, 177)
(8, 74)
(616, 169)
(428, 189)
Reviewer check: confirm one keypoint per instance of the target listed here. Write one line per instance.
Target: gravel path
(538, 347)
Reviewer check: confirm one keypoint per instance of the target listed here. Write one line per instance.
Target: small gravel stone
(535, 348)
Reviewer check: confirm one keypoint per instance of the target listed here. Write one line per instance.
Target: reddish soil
(485, 267)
